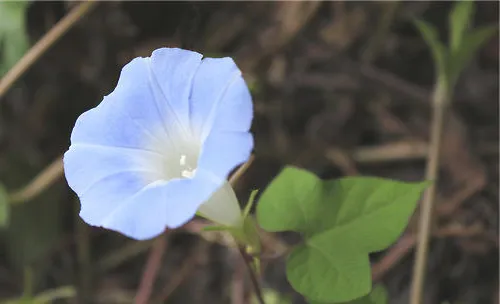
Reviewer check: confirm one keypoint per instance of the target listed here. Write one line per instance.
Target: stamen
(188, 173)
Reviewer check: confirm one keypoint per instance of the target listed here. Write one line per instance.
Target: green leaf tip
(342, 221)
(438, 49)
(250, 203)
(459, 20)
(471, 42)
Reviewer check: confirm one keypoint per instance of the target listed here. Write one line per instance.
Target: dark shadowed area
(339, 88)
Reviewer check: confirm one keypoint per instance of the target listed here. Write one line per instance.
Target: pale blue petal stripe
(219, 98)
(223, 151)
(103, 198)
(86, 165)
(128, 117)
(173, 70)
(161, 205)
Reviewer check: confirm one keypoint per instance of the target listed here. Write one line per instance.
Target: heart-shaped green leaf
(342, 221)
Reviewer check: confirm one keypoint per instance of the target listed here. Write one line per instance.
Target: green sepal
(216, 228)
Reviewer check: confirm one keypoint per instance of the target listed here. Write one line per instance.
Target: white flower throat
(174, 161)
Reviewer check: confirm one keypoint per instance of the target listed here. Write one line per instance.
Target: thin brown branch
(180, 276)
(238, 282)
(241, 170)
(253, 276)
(408, 241)
(394, 255)
(402, 150)
(43, 180)
(399, 151)
(44, 44)
(187, 268)
(116, 258)
(151, 269)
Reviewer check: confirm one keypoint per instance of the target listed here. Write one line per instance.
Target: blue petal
(161, 205)
(220, 99)
(173, 71)
(221, 115)
(223, 151)
(86, 165)
(108, 195)
(128, 117)
(103, 177)
(160, 105)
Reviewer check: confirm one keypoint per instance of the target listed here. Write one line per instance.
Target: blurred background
(340, 88)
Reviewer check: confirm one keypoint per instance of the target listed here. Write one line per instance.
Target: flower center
(174, 161)
(186, 170)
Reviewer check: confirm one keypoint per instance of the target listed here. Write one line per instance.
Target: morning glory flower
(159, 148)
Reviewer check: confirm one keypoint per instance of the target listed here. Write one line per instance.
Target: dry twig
(43, 180)
(187, 267)
(407, 242)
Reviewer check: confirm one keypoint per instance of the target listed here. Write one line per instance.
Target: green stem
(441, 99)
(253, 275)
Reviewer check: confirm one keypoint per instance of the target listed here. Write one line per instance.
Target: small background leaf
(438, 49)
(13, 37)
(35, 225)
(459, 20)
(48, 296)
(342, 221)
(4, 207)
(471, 42)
